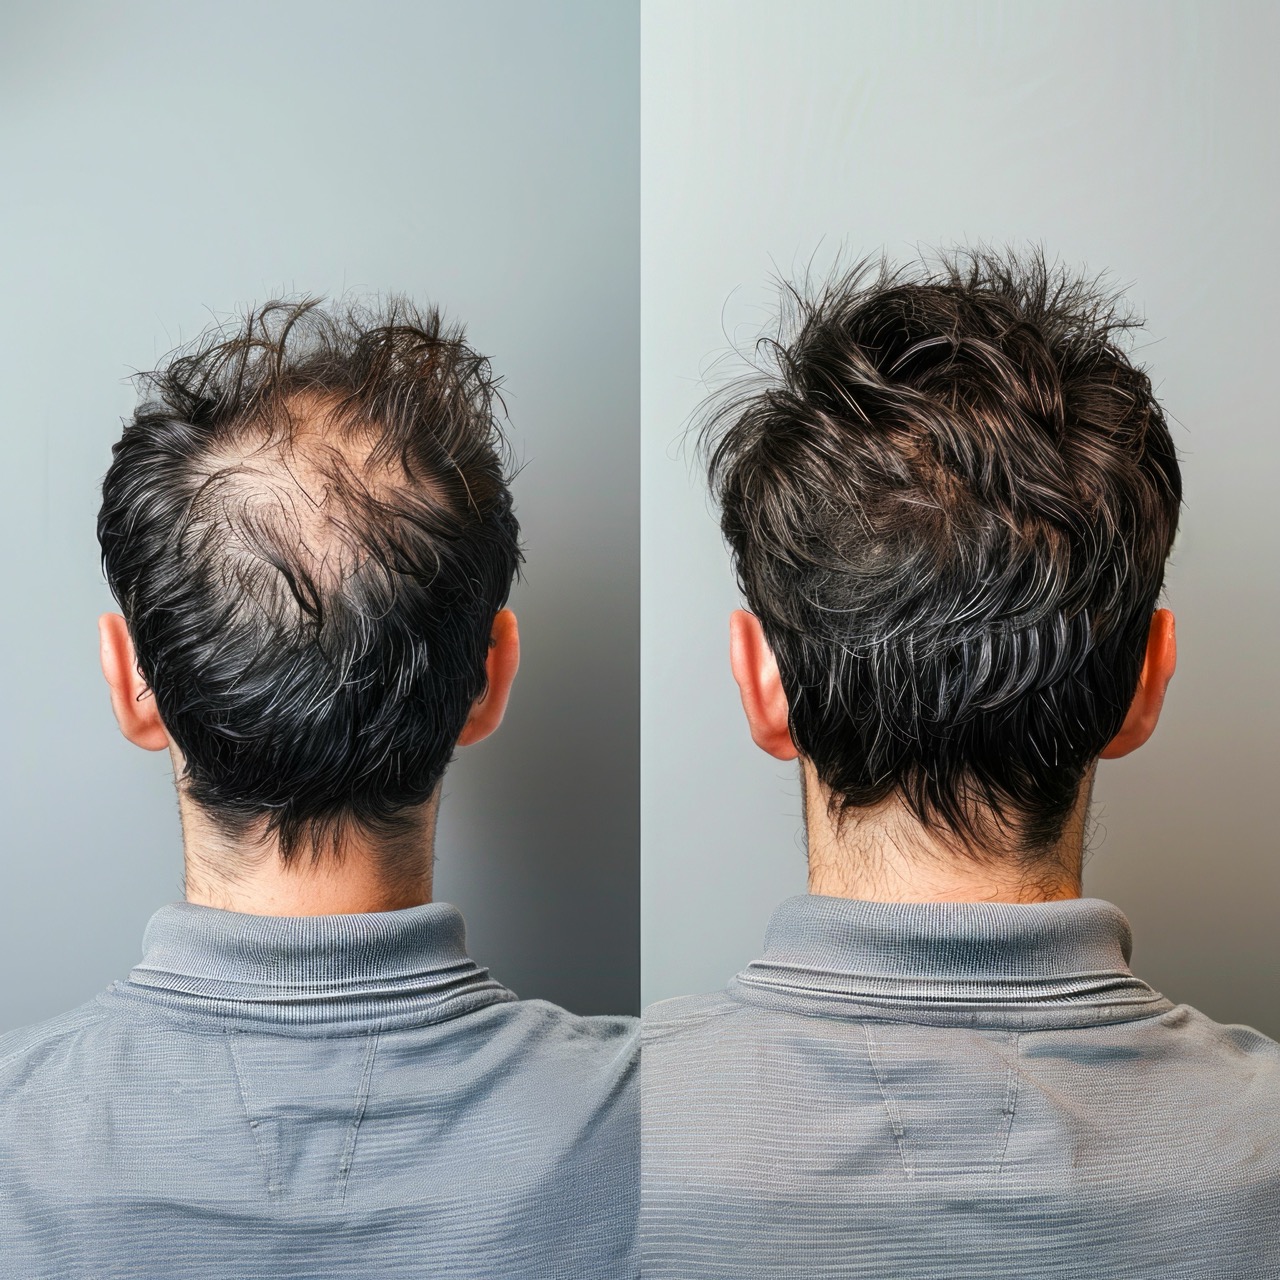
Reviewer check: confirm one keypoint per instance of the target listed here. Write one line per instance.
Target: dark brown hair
(950, 495)
(308, 528)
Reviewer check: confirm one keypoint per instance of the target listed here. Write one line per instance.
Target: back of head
(950, 496)
(308, 528)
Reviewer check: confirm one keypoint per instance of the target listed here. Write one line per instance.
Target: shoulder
(1232, 1037)
(542, 1018)
(50, 1062)
(1186, 1030)
(50, 1042)
(590, 1026)
(1227, 1053)
(559, 1064)
(539, 1031)
(686, 1018)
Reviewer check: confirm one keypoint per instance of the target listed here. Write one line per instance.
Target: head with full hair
(950, 493)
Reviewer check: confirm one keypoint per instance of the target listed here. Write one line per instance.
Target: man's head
(950, 498)
(308, 529)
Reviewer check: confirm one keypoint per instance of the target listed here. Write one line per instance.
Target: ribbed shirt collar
(990, 963)
(375, 968)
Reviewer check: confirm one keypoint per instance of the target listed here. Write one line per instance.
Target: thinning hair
(308, 527)
(950, 494)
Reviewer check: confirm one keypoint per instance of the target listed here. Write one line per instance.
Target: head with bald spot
(949, 494)
(308, 528)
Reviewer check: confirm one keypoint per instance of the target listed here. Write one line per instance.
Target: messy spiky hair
(308, 528)
(950, 495)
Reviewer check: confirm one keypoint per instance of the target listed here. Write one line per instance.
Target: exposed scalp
(308, 526)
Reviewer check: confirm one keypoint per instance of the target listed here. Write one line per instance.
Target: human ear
(760, 686)
(500, 666)
(131, 699)
(1157, 670)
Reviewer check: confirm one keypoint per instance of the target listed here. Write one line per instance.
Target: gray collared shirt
(958, 1091)
(338, 1096)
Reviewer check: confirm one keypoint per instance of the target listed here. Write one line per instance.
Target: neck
(361, 874)
(884, 854)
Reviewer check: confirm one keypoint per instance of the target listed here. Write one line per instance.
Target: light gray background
(161, 161)
(1139, 138)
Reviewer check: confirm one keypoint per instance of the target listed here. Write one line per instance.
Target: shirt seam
(362, 1098)
(892, 1111)
(269, 1172)
(1013, 1085)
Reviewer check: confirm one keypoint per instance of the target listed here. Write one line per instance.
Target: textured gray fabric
(954, 1090)
(317, 1096)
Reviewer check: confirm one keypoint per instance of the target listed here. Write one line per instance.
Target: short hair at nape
(950, 494)
(308, 527)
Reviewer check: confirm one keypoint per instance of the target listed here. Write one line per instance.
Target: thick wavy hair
(949, 495)
(308, 528)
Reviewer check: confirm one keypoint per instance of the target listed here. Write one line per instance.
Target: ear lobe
(501, 664)
(763, 699)
(1148, 700)
(131, 700)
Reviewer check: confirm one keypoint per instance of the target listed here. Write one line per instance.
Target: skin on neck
(247, 873)
(884, 853)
